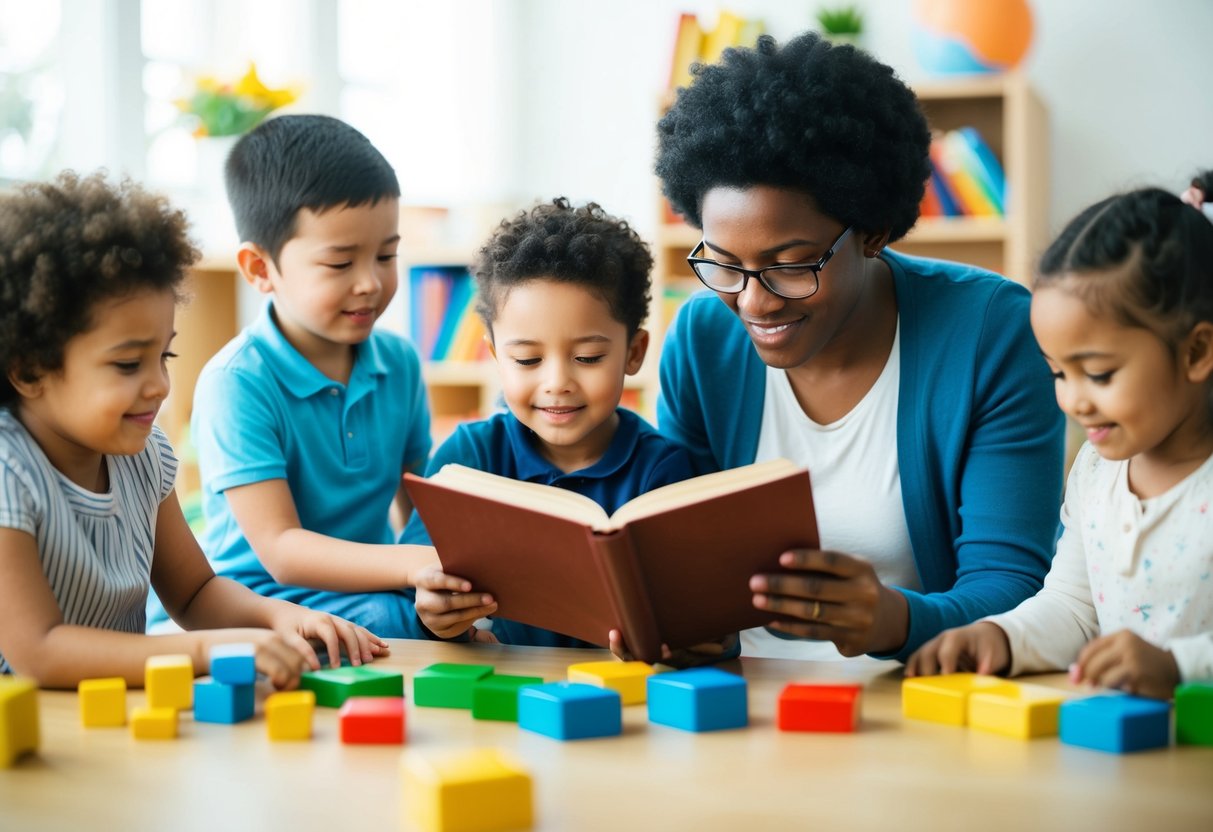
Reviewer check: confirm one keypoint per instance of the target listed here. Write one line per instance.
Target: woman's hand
(834, 597)
(1126, 661)
(447, 606)
(978, 648)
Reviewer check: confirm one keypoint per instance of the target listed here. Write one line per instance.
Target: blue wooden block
(570, 710)
(217, 702)
(1116, 723)
(701, 699)
(234, 664)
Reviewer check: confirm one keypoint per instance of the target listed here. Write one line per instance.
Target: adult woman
(912, 389)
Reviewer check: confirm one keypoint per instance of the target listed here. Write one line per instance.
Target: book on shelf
(693, 44)
(967, 182)
(688, 42)
(669, 567)
(443, 323)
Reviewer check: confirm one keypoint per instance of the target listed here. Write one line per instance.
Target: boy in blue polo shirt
(563, 292)
(306, 421)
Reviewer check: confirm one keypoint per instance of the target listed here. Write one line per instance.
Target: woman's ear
(1198, 353)
(874, 242)
(255, 265)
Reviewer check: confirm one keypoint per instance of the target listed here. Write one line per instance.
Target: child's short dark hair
(65, 245)
(829, 121)
(303, 161)
(1145, 258)
(557, 241)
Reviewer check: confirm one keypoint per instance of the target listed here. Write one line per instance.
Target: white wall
(1127, 84)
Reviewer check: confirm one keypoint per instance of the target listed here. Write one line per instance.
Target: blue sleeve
(1005, 500)
(236, 430)
(679, 415)
(418, 439)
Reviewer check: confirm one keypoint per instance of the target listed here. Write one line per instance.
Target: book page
(545, 499)
(700, 488)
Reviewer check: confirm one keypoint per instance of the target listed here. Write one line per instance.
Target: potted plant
(841, 24)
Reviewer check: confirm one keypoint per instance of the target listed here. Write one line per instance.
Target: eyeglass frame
(758, 274)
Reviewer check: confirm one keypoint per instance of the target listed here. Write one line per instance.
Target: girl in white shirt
(1123, 312)
(89, 276)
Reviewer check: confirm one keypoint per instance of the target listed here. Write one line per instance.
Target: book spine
(620, 571)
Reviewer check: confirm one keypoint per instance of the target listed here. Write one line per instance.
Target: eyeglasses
(793, 281)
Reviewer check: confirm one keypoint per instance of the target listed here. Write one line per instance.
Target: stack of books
(443, 323)
(966, 177)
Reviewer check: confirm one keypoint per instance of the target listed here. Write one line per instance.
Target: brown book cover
(670, 567)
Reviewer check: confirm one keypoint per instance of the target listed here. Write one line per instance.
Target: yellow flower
(225, 109)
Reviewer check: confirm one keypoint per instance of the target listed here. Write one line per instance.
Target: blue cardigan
(980, 439)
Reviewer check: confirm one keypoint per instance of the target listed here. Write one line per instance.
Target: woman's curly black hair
(557, 241)
(830, 121)
(64, 246)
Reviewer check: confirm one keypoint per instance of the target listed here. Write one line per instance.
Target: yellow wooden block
(946, 698)
(628, 679)
(1030, 711)
(169, 681)
(288, 714)
(478, 790)
(102, 702)
(18, 718)
(148, 723)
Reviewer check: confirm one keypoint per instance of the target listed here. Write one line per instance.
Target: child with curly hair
(89, 281)
(1123, 311)
(564, 292)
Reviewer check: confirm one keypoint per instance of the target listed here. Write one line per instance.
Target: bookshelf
(1014, 123)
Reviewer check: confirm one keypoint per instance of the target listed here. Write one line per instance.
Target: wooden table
(893, 773)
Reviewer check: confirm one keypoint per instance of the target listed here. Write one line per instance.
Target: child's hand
(1127, 662)
(447, 606)
(707, 653)
(299, 626)
(980, 647)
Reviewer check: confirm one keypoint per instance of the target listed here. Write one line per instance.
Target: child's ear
(25, 388)
(255, 265)
(1198, 353)
(637, 347)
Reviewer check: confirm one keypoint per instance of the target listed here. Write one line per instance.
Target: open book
(669, 567)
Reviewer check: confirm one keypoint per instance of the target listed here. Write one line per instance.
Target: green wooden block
(448, 685)
(1194, 713)
(333, 686)
(496, 697)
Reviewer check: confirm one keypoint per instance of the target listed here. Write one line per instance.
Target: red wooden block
(372, 719)
(810, 707)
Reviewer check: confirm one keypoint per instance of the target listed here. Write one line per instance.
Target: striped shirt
(96, 549)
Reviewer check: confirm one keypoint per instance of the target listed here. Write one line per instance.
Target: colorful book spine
(456, 308)
(966, 159)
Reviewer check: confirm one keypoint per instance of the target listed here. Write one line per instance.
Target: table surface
(892, 773)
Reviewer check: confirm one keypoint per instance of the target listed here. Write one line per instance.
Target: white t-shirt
(96, 549)
(1123, 564)
(852, 464)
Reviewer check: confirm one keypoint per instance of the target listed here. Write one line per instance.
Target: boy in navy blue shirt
(563, 292)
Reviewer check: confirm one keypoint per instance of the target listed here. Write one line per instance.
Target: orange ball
(997, 31)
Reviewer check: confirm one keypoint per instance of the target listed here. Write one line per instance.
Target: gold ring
(816, 610)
